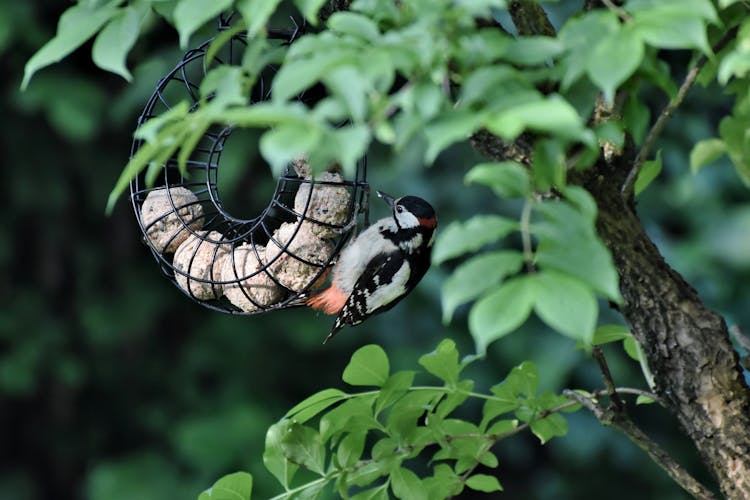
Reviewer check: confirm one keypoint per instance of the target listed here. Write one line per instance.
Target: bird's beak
(386, 197)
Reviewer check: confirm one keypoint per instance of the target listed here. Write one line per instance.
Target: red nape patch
(329, 301)
(431, 222)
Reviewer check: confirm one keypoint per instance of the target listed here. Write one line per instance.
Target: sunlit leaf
(475, 276)
(302, 445)
(368, 366)
(77, 24)
(189, 15)
(508, 179)
(236, 486)
(113, 43)
(315, 404)
(649, 171)
(501, 311)
(551, 426)
(464, 237)
(705, 152)
(566, 304)
(483, 482)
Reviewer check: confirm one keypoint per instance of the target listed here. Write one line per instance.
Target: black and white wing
(381, 285)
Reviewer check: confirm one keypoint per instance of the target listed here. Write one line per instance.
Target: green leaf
(552, 114)
(581, 35)
(533, 50)
(407, 485)
(450, 127)
(189, 15)
(376, 493)
(649, 171)
(350, 86)
(298, 74)
(481, 85)
(350, 449)
(113, 43)
(568, 242)
(354, 24)
(264, 114)
(548, 165)
(443, 480)
(475, 276)
(351, 143)
(454, 399)
(394, 388)
(273, 455)
(605, 334)
(256, 13)
(549, 427)
(368, 366)
(705, 152)
(670, 28)
(77, 24)
(312, 405)
(286, 142)
(566, 304)
(502, 427)
(698, 8)
(614, 60)
(501, 311)
(354, 415)
(309, 9)
(404, 415)
(636, 118)
(522, 379)
(507, 179)
(302, 445)
(236, 486)
(483, 482)
(443, 362)
(644, 400)
(464, 237)
(224, 84)
(631, 348)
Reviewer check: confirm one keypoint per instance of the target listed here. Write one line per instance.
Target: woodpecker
(381, 265)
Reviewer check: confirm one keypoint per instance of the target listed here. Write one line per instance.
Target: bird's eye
(399, 209)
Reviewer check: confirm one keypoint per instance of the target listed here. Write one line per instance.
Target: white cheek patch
(407, 219)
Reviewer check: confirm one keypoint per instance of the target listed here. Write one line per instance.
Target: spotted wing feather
(381, 285)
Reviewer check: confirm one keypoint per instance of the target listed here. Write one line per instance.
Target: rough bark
(687, 345)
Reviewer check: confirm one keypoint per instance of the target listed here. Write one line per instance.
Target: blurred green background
(114, 385)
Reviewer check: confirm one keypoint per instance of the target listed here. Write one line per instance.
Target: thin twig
(617, 10)
(607, 377)
(623, 423)
(667, 112)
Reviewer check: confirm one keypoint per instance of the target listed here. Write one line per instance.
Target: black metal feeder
(233, 264)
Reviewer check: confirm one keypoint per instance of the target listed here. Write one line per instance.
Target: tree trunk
(687, 346)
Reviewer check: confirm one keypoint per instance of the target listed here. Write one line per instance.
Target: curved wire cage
(232, 264)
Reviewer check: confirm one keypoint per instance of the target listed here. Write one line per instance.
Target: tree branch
(621, 422)
(666, 114)
(530, 18)
(608, 382)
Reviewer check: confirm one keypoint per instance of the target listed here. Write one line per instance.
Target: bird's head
(411, 211)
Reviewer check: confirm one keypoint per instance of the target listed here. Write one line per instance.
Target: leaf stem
(289, 493)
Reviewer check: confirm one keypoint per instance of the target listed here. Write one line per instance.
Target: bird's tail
(330, 301)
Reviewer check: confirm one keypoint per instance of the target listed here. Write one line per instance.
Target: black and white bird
(381, 265)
